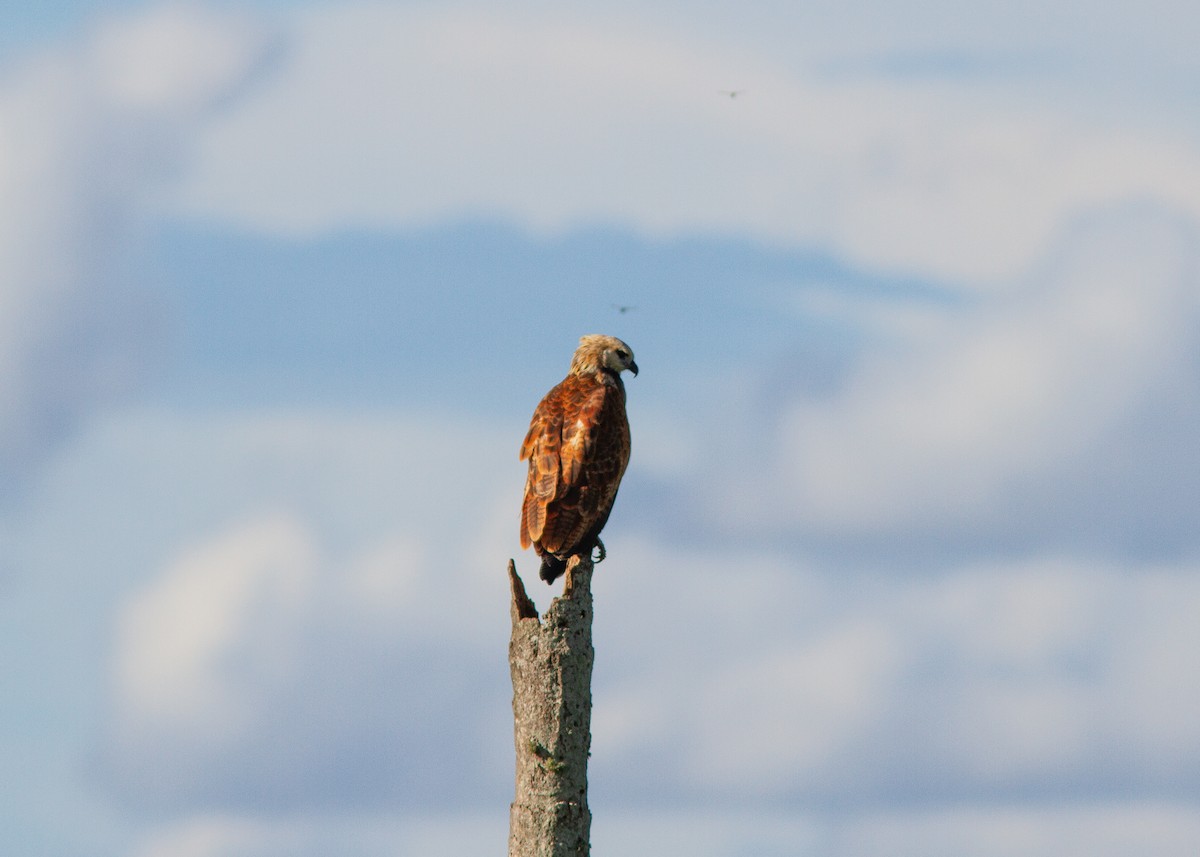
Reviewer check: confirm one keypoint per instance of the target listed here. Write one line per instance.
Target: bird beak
(633, 368)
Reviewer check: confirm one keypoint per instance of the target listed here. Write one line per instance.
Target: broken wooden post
(551, 664)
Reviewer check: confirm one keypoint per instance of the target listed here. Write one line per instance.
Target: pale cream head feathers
(597, 352)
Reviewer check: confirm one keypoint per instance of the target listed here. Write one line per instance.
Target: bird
(623, 308)
(732, 93)
(578, 448)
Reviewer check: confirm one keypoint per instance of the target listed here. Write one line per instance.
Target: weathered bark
(551, 664)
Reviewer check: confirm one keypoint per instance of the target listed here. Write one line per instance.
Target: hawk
(578, 448)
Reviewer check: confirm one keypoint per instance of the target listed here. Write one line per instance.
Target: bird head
(597, 352)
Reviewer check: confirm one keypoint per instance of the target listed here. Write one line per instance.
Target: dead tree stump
(551, 664)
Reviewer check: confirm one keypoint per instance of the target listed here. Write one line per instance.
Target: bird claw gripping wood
(599, 552)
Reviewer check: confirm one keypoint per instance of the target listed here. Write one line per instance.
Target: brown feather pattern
(578, 448)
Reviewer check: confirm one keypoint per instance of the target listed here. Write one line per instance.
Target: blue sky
(906, 560)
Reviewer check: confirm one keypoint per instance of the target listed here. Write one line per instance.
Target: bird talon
(600, 552)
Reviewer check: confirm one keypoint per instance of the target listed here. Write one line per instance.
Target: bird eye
(623, 354)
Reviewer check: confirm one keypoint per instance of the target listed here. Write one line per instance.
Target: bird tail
(552, 568)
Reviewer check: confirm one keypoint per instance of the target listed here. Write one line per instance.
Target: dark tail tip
(552, 568)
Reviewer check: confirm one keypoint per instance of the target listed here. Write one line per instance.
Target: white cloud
(256, 668)
(359, 476)
(390, 116)
(1102, 830)
(799, 707)
(319, 835)
(297, 625)
(1022, 415)
(87, 136)
(720, 673)
(242, 600)
(174, 59)
(1109, 829)
(1047, 677)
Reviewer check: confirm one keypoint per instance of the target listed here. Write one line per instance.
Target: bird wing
(560, 446)
(541, 447)
(593, 457)
(579, 433)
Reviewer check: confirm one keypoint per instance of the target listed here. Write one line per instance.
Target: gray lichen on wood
(551, 663)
